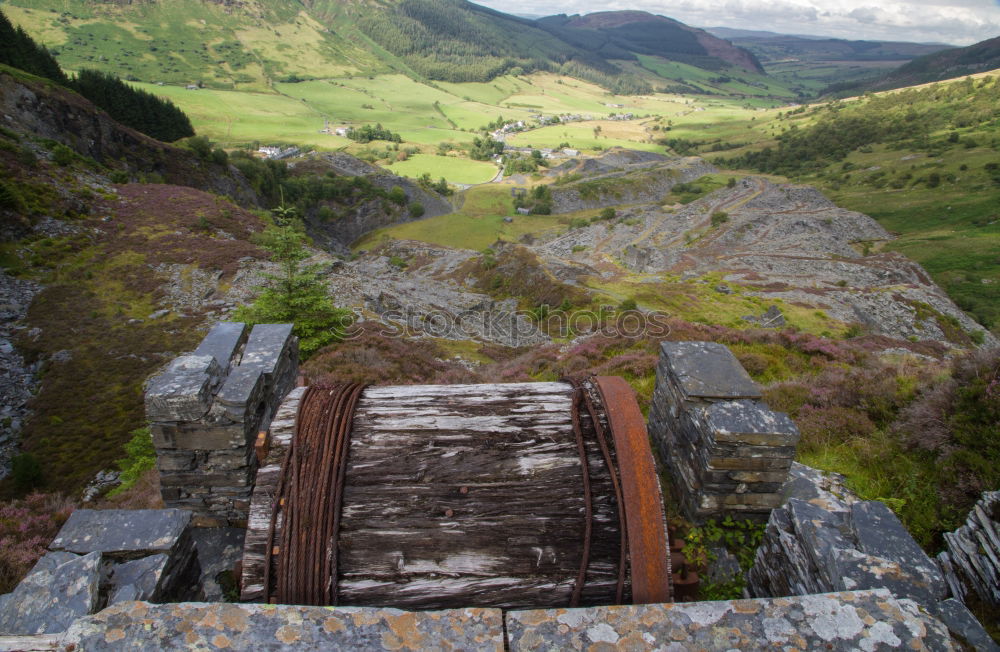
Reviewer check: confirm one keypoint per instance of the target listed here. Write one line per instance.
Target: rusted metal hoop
(649, 554)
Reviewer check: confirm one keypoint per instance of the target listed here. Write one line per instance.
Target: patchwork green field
(477, 224)
(452, 168)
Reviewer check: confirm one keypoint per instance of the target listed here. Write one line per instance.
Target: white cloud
(960, 22)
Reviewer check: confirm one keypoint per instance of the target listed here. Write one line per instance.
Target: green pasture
(233, 118)
(476, 224)
(454, 169)
(579, 136)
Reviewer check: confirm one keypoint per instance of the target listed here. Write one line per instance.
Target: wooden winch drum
(458, 496)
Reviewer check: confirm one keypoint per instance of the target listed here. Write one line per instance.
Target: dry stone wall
(205, 410)
(972, 561)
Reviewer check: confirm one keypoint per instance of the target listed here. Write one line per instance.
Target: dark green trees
(18, 50)
(132, 107)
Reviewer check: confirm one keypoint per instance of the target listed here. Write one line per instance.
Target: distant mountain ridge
(253, 43)
(947, 64)
(640, 32)
(770, 46)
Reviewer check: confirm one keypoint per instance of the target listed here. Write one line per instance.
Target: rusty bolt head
(463, 490)
(449, 513)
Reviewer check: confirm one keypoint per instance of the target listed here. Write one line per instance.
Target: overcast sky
(961, 22)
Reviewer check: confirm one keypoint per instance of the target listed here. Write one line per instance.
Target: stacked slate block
(726, 452)
(205, 410)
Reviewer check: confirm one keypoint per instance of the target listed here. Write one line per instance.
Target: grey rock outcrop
(624, 177)
(809, 549)
(779, 242)
(825, 539)
(427, 300)
(18, 378)
(338, 234)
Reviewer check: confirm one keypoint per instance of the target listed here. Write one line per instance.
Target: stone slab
(207, 626)
(138, 579)
(266, 345)
(749, 422)
(880, 533)
(244, 387)
(963, 625)
(219, 549)
(708, 370)
(869, 620)
(820, 488)
(58, 590)
(183, 391)
(222, 342)
(854, 570)
(127, 533)
(199, 437)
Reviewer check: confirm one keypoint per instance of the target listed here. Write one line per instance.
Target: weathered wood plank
(459, 495)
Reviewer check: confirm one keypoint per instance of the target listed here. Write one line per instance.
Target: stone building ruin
(834, 572)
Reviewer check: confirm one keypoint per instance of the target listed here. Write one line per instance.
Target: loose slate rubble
(972, 561)
(59, 589)
(127, 535)
(205, 411)
(204, 626)
(728, 453)
(104, 557)
(825, 539)
(858, 620)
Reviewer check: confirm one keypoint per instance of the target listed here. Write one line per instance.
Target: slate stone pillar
(725, 452)
(205, 410)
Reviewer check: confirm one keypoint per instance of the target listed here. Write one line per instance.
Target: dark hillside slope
(459, 41)
(947, 64)
(779, 46)
(623, 34)
(36, 106)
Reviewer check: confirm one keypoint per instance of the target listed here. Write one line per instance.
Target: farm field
(476, 224)
(454, 169)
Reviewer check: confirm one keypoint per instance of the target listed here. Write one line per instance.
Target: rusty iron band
(649, 554)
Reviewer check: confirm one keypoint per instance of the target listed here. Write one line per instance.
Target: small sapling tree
(296, 294)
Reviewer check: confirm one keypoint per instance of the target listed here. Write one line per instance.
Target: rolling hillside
(624, 34)
(253, 44)
(816, 63)
(947, 64)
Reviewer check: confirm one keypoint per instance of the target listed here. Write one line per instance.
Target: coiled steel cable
(309, 498)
